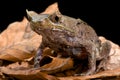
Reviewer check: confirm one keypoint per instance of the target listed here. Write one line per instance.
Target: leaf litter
(19, 45)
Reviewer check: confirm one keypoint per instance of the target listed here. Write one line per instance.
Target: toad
(69, 36)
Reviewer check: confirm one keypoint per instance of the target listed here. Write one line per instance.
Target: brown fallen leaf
(26, 74)
(55, 64)
(102, 76)
(114, 56)
(18, 42)
(17, 65)
(1, 75)
(24, 71)
(51, 9)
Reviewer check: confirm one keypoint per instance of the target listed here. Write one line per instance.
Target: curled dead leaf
(114, 56)
(26, 74)
(52, 8)
(18, 42)
(55, 64)
(104, 75)
(2, 77)
(19, 65)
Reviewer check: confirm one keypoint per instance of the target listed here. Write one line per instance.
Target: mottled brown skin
(69, 36)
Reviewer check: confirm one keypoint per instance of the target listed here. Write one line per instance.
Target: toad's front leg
(91, 65)
(91, 53)
(38, 56)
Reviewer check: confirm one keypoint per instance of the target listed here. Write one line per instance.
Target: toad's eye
(54, 18)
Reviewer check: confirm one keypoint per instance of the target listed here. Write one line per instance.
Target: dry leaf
(102, 75)
(25, 71)
(19, 65)
(26, 74)
(18, 42)
(114, 56)
(56, 64)
(51, 9)
(1, 75)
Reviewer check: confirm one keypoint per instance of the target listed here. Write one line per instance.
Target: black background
(102, 16)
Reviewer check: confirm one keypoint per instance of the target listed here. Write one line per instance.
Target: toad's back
(82, 33)
(61, 40)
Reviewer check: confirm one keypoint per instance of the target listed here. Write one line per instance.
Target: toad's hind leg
(91, 63)
(91, 48)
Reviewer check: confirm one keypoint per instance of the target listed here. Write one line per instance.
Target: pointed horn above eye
(30, 14)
